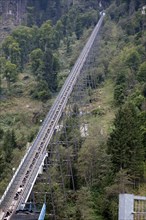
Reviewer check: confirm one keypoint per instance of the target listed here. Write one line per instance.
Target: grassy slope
(104, 105)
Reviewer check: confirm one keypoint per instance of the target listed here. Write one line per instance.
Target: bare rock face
(29, 12)
(12, 11)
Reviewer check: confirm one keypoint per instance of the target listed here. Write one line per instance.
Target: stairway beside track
(22, 183)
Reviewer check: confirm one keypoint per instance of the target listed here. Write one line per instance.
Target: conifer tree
(9, 144)
(125, 142)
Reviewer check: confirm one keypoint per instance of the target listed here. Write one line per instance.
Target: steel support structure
(20, 187)
(63, 151)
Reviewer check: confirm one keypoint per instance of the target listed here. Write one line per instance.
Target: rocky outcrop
(13, 11)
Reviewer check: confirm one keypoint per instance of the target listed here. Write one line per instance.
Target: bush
(41, 91)
(119, 94)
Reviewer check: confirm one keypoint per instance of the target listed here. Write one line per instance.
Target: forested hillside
(35, 60)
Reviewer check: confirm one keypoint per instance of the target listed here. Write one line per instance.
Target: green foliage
(79, 28)
(56, 35)
(42, 10)
(71, 132)
(144, 90)
(120, 88)
(142, 72)
(50, 68)
(142, 117)
(6, 45)
(119, 94)
(39, 44)
(125, 142)
(126, 68)
(45, 67)
(45, 32)
(8, 70)
(120, 79)
(2, 162)
(90, 163)
(10, 73)
(41, 91)
(12, 50)
(99, 176)
(85, 20)
(2, 65)
(9, 143)
(30, 17)
(106, 196)
(98, 112)
(121, 184)
(137, 98)
(24, 37)
(132, 59)
(36, 57)
(85, 205)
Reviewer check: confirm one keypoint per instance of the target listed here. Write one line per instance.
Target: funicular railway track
(22, 183)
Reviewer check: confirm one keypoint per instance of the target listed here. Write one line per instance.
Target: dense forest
(37, 56)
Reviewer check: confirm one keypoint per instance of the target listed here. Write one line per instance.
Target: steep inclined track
(21, 185)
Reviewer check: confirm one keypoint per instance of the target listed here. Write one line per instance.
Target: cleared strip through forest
(22, 183)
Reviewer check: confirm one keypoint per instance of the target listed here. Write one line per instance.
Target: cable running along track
(22, 182)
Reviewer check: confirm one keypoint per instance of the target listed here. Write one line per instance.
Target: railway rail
(22, 182)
